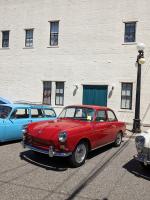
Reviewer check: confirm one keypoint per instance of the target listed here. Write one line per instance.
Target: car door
(112, 125)
(101, 128)
(3, 123)
(14, 125)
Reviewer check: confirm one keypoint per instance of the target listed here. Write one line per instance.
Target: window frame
(113, 114)
(106, 119)
(5, 39)
(49, 103)
(135, 28)
(39, 114)
(131, 96)
(59, 94)
(27, 114)
(53, 33)
(26, 39)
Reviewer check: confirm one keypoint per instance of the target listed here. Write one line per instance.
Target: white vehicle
(142, 142)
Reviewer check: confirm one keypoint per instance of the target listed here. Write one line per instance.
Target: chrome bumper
(142, 158)
(49, 152)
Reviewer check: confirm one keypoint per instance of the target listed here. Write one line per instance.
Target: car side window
(36, 113)
(101, 116)
(111, 116)
(20, 113)
(49, 113)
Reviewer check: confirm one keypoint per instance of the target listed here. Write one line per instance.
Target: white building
(89, 46)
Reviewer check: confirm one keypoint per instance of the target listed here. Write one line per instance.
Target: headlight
(62, 137)
(139, 142)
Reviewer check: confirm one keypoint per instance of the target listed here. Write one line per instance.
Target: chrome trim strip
(59, 154)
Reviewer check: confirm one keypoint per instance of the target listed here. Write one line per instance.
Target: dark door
(95, 95)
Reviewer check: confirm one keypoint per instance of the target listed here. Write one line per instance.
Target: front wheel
(118, 140)
(79, 155)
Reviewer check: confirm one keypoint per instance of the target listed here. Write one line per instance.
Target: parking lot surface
(109, 173)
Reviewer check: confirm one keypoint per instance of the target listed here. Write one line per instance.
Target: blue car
(13, 117)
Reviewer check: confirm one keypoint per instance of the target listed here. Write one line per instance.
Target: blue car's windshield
(4, 111)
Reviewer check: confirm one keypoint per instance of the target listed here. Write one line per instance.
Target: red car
(78, 130)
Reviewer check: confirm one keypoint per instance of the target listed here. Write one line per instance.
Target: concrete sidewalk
(129, 132)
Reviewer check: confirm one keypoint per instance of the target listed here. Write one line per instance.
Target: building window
(130, 30)
(29, 38)
(47, 87)
(126, 95)
(5, 38)
(59, 95)
(54, 31)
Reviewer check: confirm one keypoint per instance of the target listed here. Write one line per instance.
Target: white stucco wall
(91, 49)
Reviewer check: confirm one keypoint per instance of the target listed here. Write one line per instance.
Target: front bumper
(51, 152)
(142, 158)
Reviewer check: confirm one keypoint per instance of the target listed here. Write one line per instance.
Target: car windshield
(4, 111)
(80, 113)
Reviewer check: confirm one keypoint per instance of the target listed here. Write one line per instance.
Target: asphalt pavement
(109, 173)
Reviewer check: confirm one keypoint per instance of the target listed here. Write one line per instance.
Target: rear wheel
(79, 155)
(118, 140)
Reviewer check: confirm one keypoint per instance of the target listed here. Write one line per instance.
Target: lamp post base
(136, 126)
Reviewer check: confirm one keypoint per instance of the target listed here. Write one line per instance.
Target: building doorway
(95, 95)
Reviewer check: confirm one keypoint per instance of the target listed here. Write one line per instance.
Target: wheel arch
(87, 141)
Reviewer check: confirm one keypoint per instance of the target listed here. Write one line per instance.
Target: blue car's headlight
(62, 137)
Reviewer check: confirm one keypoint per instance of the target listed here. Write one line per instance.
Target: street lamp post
(140, 61)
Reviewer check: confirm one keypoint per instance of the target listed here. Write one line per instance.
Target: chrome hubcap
(118, 141)
(80, 153)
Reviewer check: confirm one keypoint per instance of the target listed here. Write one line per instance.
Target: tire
(118, 140)
(79, 155)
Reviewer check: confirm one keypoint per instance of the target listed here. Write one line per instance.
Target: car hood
(48, 129)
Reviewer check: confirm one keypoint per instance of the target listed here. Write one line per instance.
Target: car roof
(26, 106)
(91, 106)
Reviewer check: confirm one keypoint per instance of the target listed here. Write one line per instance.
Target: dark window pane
(54, 39)
(47, 92)
(29, 38)
(59, 96)
(54, 27)
(54, 32)
(5, 39)
(130, 29)
(126, 95)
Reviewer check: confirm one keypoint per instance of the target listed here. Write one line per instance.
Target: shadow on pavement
(134, 167)
(56, 163)
(98, 151)
(41, 160)
(10, 142)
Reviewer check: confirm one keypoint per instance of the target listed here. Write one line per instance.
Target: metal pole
(137, 121)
